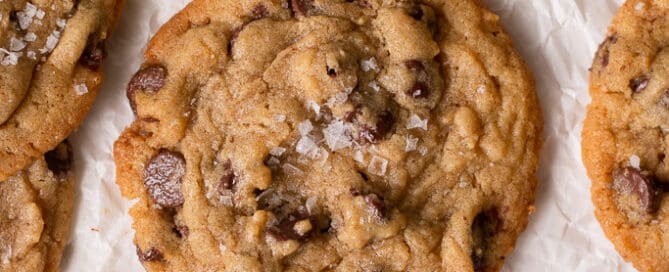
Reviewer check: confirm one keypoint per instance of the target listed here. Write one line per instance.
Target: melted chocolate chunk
(94, 53)
(604, 49)
(486, 224)
(301, 7)
(385, 122)
(149, 79)
(416, 12)
(640, 83)
(181, 230)
(378, 206)
(331, 72)
(414, 65)
(59, 160)
(163, 176)
(227, 180)
(285, 229)
(419, 90)
(260, 11)
(151, 255)
(629, 182)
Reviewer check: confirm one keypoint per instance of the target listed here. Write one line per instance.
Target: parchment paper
(557, 38)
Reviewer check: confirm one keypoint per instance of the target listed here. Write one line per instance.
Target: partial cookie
(35, 212)
(50, 72)
(330, 135)
(626, 134)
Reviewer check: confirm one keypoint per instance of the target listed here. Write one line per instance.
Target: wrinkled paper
(557, 38)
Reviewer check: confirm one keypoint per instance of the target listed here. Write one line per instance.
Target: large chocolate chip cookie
(304, 135)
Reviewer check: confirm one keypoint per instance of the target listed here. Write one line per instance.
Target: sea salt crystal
(640, 5)
(81, 89)
(61, 23)
(368, 65)
(222, 248)
(422, 150)
(51, 42)
(462, 184)
(32, 55)
(40, 14)
(7, 255)
(481, 89)
(635, 161)
(279, 118)
(416, 122)
(277, 151)
(306, 146)
(305, 127)
(378, 166)
(273, 161)
(359, 157)
(411, 144)
(336, 136)
(312, 105)
(30, 37)
(16, 45)
(26, 16)
(291, 169)
(310, 204)
(9, 58)
(375, 86)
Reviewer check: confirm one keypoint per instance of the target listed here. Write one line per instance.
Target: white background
(556, 37)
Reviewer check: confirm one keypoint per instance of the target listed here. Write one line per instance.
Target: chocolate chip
(227, 179)
(149, 79)
(484, 227)
(416, 12)
(260, 11)
(640, 83)
(414, 65)
(181, 230)
(376, 203)
(384, 123)
(93, 54)
(419, 90)
(59, 160)
(331, 72)
(285, 229)
(354, 191)
(163, 176)
(301, 7)
(151, 255)
(629, 181)
(604, 49)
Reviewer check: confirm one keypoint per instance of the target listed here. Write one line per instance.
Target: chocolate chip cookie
(626, 134)
(359, 135)
(50, 60)
(35, 212)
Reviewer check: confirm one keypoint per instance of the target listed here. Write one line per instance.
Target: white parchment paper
(557, 38)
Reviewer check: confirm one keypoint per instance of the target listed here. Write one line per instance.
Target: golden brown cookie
(625, 135)
(330, 136)
(35, 213)
(50, 72)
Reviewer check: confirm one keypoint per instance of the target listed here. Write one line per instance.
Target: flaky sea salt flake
(416, 122)
(305, 127)
(378, 166)
(336, 135)
(369, 65)
(16, 45)
(30, 37)
(279, 118)
(81, 89)
(307, 147)
(277, 151)
(411, 144)
(635, 161)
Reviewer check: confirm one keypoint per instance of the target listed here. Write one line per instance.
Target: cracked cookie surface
(625, 134)
(330, 136)
(50, 72)
(35, 212)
